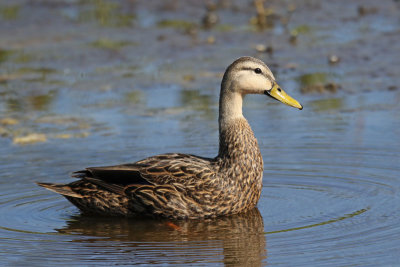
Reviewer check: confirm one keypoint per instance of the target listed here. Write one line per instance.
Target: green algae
(108, 44)
(176, 24)
(5, 55)
(313, 79)
(106, 14)
(9, 12)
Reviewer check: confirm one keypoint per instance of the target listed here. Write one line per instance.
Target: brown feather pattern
(176, 185)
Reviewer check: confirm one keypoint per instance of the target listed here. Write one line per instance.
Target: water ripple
(330, 210)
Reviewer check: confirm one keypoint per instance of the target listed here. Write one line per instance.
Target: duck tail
(62, 189)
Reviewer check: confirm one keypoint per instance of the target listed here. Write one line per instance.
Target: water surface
(113, 82)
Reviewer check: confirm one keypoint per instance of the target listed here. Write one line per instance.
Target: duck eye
(257, 70)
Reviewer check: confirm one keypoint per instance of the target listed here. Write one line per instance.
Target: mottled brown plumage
(186, 186)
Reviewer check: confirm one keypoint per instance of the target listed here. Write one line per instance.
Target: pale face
(251, 77)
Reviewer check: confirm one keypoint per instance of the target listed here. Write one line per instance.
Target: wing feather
(165, 169)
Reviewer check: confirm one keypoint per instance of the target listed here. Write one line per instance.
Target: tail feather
(62, 189)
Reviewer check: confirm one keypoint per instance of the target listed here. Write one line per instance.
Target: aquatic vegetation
(25, 131)
(265, 16)
(109, 44)
(261, 48)
(317, 83)
(327, 104)
(4, 78)
(313, 78)
(133, 97)
(224, 27)
(41, 102)
(40, 70)
(176, 24)
(301, 29)
(31, 138)
(8, 121)
(23, 57)
(5, 54)
(30, 74)
(106, 14)
(211, 18)
(196, 100)
(9, 12)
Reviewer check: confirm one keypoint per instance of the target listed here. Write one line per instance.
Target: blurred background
(101, 82)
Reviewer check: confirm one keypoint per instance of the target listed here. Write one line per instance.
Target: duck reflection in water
(237, 239)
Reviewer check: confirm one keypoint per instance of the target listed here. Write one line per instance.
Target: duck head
(248, 75)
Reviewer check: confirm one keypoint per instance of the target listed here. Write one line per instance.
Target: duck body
(182, 186)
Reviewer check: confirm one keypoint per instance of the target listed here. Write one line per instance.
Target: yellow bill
(277, 93)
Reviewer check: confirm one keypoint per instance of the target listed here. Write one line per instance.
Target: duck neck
(230, 108)
(236, 137)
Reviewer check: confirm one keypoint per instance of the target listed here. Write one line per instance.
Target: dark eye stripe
(251, 69)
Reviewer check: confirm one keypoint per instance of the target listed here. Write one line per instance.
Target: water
(100, 87)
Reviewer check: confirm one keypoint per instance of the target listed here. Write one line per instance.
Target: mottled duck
(182, 186)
